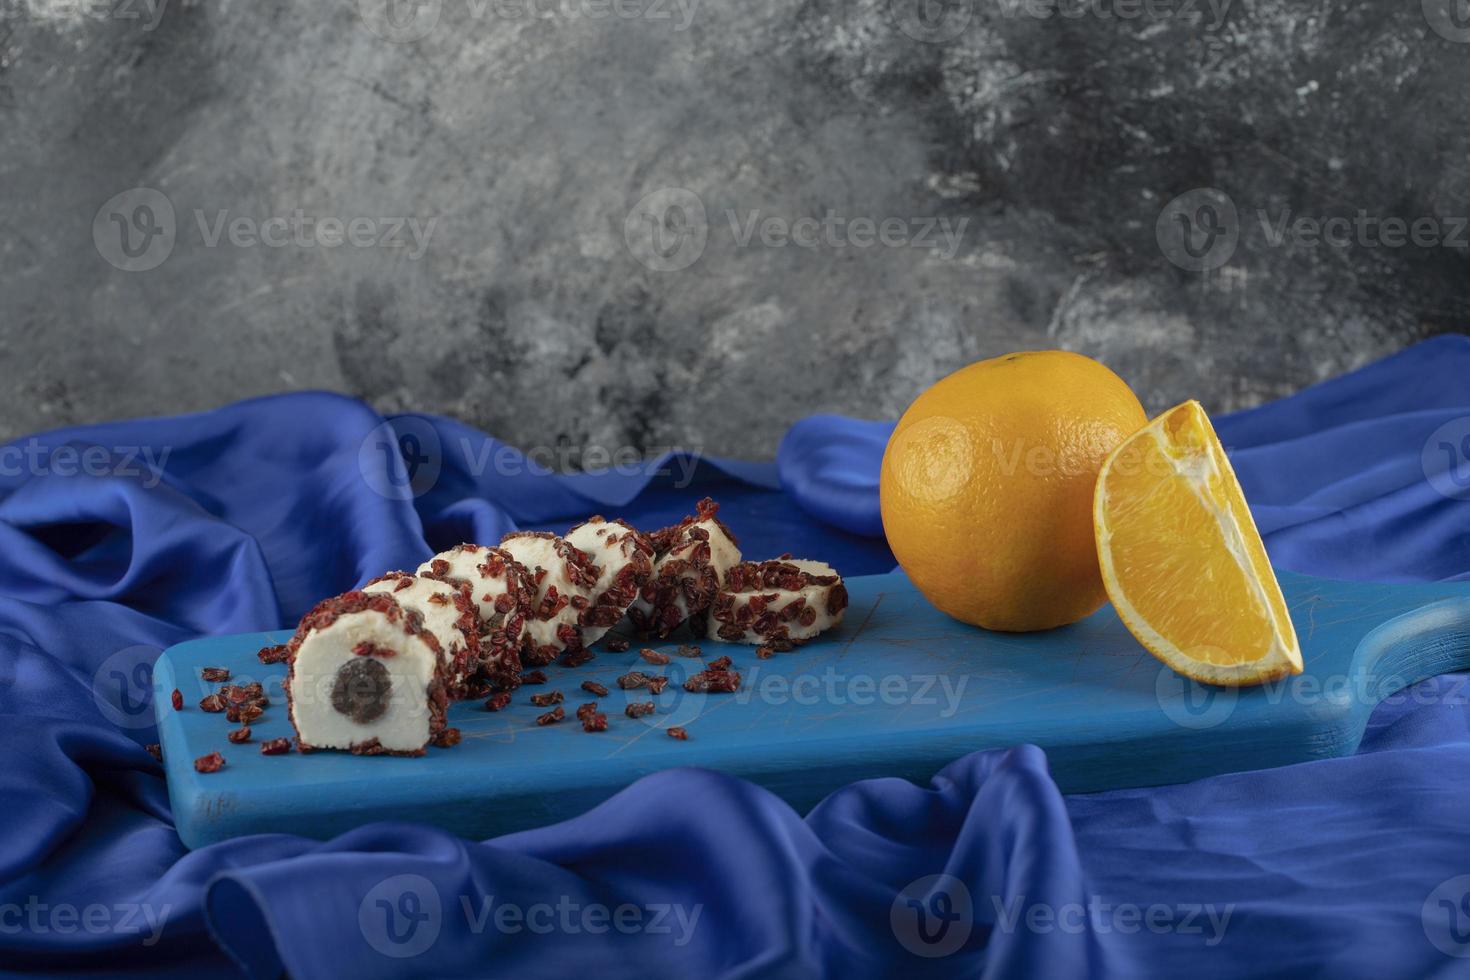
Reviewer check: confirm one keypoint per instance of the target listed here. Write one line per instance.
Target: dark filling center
(362, 689)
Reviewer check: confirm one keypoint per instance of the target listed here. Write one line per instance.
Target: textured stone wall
(654, 222)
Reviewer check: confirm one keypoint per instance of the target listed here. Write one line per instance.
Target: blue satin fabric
(262, 507)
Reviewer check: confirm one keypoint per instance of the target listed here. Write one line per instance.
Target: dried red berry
(653, 656)
(637, 709)
(275, 746)
(632, 679)
(713, 682)
(720, 663)
(764, 652)
(552, 717)
(250, 712)
(595, 723)
(498, 701)
(590, 708)
(656, 685)
(239, 735)
(178, 699)
(212, 703)
(617, 644)
(155, 750)
(447, 738)
(577, 657)
(214, 674)
(548, 699)
(686, 650)
(273, 655)
(592, 687)
(213, 762)
(534, 677)
(677, 731)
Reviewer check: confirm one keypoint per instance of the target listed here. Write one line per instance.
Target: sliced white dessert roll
(624, 560)
(564, 578)
(365, 676)
(778, 602)
(448, 612)
(503, 595)
(688, 570)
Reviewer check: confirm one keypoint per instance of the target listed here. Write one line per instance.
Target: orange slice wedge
(1182, 560)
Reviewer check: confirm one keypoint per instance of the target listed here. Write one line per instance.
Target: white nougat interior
(404, 727)
(440, 618)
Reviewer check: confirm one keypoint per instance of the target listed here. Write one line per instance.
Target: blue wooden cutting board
(899, 690)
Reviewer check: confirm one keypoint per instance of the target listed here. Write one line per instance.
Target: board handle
(1425, 642)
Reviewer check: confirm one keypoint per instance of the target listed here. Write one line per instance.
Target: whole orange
(987, 484)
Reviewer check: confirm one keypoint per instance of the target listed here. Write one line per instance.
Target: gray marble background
(655, 222)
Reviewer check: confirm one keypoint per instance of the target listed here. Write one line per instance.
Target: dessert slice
(624, 559)
(366, 676)
(691, 560)
(448, 612)
(503, 595)
(564, 578)
(778, 602)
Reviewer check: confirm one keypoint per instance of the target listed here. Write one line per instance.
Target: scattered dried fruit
(214, 674)
(617, 644)
(275, 746)
(534, 677)
(273, 655)
(656, 685)
(654, 657)
(689, 650)
(632, 679)
(498, 701)
(596, 722)
(239, 735)
(548, 699)
(447, 738)
(155, 750)
(178, 700)
(552, 717)
(713, 682)
(592, 687)
(213, 762)
(677, 731)
(637, 709)
(212, 703)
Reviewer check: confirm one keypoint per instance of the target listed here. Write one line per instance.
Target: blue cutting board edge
(1106, 712)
